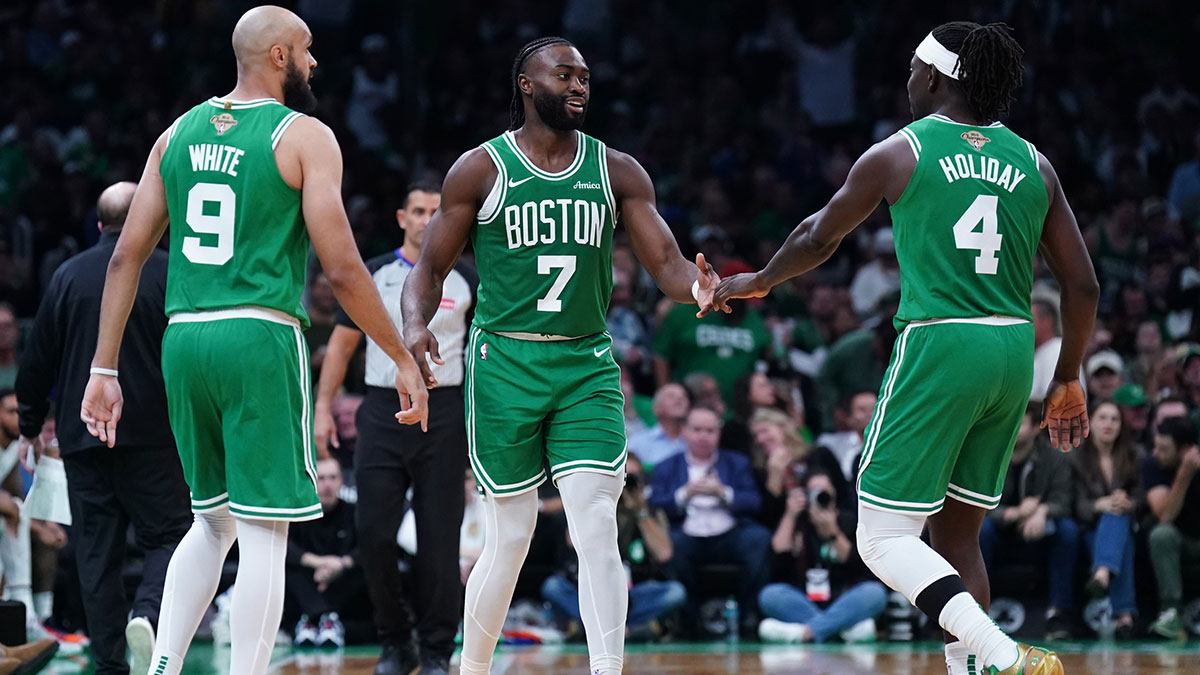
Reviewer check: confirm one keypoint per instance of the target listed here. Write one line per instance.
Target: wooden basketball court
(717, 659)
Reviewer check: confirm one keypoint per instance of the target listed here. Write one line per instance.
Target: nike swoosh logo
(601, 352)
(515, 183)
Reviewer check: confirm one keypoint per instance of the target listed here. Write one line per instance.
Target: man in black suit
(138, 481)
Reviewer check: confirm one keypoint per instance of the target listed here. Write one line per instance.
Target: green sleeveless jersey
(968, 224)
(543, 243)
(237, 232)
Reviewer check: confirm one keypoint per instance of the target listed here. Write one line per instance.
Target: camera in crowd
(820, 498)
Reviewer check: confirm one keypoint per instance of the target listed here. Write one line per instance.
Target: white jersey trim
(248, 312)
(241, 105)
(912, 142)
(283, 125)
(580, 151)
(981, 320)
(495, 199)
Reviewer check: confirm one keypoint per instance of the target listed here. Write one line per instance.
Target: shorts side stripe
(898, 506)
(877, 423)
(306, 432)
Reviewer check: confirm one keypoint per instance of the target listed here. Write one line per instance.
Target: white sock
(590, 502)
(508, 528)
(191, 583)
(257, 606)
(43, 604)
(958, 661)
(963, 618)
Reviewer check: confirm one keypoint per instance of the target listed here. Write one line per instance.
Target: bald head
(113, 205)
(261, 29)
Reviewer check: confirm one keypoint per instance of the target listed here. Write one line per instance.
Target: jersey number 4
(210, 210)
(987, 240)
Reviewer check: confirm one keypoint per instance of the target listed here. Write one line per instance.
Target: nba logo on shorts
(483, 351)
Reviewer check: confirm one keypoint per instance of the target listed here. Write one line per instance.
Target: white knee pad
(890, 545)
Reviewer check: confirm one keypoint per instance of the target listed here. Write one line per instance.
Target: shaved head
(272, 49)
(265, 27)
(113, 205)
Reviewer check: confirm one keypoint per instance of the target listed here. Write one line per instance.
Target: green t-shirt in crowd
(718, 345)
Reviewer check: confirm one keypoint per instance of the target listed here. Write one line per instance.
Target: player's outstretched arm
(144, 226)
(881, 173)
(321, 199)
(466, 184)
(1067, 257)
(653, 243)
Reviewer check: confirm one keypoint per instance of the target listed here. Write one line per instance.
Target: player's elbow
(1085, 287)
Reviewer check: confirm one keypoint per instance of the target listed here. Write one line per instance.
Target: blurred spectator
(627, 326)
(345, 412)
(646, 548)
(752, 392)
(821, 587)
(323, 579)
(665, 439)
(879, 278)
(1104, 370)
(375, 89)
(1174, 500)
(781, 460)
(722, 345)
(1047, 341)
(1189, 378)
(634, 424)
(1167, 408)
(1135, 413)
(1146, 362)
(850, 420)
(470, 539)
(1033, 519)
(855, 363)
(322, 308)
(710, 498)
(9, 333)
(1107, 479)
(705, 391)
(1183, 195)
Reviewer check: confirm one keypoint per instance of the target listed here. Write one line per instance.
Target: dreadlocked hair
(516, 110)
(989, 65)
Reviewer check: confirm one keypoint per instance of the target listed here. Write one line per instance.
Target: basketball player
(247, 181)
(543, 396)
(971, 204)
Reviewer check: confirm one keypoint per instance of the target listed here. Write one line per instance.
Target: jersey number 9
(204, 218)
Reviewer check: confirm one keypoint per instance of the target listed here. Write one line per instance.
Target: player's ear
(524, 83)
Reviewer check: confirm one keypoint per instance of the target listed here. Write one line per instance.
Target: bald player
(248, 180)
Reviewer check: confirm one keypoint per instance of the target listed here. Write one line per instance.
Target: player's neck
(250, 89)
(541, 142)
(959, 112)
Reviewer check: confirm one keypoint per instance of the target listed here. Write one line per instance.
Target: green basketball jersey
(968, 224)
(238, 235)
(543, 243)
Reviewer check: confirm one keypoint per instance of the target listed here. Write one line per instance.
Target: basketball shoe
(1030, 661)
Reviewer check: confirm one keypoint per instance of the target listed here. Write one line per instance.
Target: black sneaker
(397, 660)
(1058, 627)
(435, 665)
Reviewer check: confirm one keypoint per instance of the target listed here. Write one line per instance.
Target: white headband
(933, 53)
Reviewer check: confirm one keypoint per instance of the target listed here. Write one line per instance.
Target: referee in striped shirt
(389, 458)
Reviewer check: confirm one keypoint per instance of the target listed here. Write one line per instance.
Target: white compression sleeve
(590, 500)
(508, 528)
(890, 544)
(191, 583)
(257, 605)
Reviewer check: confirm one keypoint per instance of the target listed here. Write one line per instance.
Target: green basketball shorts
(949, 410)
(240, 402)
(538, 408)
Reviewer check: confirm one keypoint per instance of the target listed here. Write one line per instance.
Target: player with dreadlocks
(971, 204)
(540, 203)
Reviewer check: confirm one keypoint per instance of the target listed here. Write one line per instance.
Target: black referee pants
(109, 489)
(389, 458)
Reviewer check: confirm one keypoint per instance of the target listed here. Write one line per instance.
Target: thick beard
(553, 111)
(297, 93)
